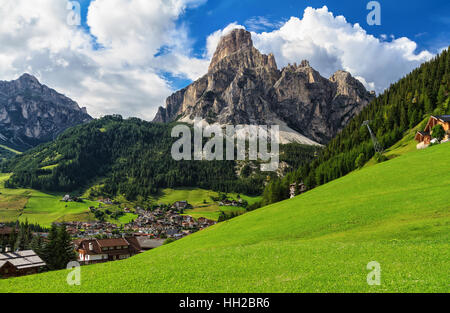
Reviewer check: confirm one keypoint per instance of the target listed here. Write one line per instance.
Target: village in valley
(160, 222)
(103, 239)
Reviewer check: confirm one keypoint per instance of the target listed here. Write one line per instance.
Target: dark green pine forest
(132, 157)
(405, 104)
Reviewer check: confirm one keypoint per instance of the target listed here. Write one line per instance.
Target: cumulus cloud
(116, 67)
(331, 43)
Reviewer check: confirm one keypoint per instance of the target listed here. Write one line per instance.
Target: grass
(10, 149)
(396, 213)
(39, 207)
(405, 145)
(45, 208)
(201, 200)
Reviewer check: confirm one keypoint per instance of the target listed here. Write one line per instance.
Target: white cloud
(123, 76)
(140, 39)
(261, 23)
(330, 43)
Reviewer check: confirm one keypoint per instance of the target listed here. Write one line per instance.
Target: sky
(127, 56)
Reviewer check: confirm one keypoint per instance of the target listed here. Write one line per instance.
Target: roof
(134, 244)
(423, 133)
(98, 244)
(146, 243)
(21, 259)
(106, 243)
(6, 230)
(444, 118)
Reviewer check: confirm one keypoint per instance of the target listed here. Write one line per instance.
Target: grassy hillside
(406, 145)
(38, 207)
(423, 92)
(396, 213)
(45, 208)
(200, 199)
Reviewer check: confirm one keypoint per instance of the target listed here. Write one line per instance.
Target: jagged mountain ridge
(244, 86)
(32, 113)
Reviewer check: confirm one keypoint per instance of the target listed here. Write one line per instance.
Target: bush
(360, 161)
(379, 157)
(169, 240)
(438, 132)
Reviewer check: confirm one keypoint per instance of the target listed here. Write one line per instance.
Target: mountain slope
(32, 113)
(132, 157)
(243, 86)
(404, 105)
(320, 241)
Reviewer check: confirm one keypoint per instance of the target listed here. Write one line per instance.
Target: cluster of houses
(425, 137)
(91, 229)
(170, 223)
(159, 224)
(148, 231)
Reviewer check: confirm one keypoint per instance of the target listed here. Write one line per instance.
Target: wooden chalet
(424, 137)
(6, 232)
(92, 251)
(14, 264)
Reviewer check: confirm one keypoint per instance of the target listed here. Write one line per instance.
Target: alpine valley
(227, 226)
(244, 87)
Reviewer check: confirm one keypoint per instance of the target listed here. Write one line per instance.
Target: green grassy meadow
(40, 207)
(45, 208)
(396, 213)
(201, 200)
(406, 145)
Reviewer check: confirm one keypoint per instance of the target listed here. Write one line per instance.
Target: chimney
(7, 249)
(91, 246)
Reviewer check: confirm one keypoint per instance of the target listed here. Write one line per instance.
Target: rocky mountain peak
(32, 113)
(244, 86)
(27, 78)
(236, 40)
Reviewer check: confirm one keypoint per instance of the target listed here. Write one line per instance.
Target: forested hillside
(402, 106)
(318, 242)
(132, 157)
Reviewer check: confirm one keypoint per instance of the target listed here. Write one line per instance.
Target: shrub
(379, 157)
(359, 162)
(438, 132)
(169, 240)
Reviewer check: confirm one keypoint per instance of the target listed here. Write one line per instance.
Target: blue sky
(425, 22)
(130, 55)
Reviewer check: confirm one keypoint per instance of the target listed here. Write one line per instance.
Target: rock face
(243, 86)
(31, 113)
